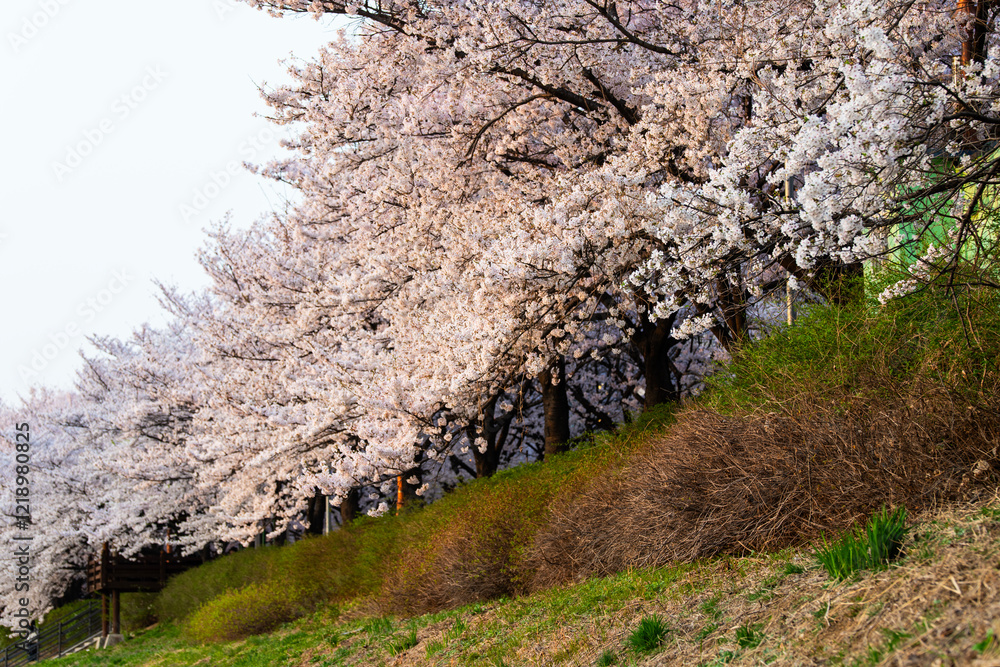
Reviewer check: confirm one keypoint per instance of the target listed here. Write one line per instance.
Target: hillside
(941, 602)
(696, 526)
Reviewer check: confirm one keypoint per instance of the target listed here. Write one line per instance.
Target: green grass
(378, 626)
(607, 659)
(749, 636)
(988, 645)
(403, 643)
(870, 548)
(649, 635)
(850, 352)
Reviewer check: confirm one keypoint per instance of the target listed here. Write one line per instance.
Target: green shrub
(138, 611)
(257, 608)
(870, 548)
(327, 569)
(649, 635)
(190, 590)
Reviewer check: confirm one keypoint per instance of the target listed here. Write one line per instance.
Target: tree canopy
(518, 220)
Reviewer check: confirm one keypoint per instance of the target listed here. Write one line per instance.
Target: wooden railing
(112, 572)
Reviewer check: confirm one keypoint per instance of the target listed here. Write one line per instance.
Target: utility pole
(973, 12)
(789, 292)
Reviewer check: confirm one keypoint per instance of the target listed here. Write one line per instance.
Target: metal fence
(57, 639)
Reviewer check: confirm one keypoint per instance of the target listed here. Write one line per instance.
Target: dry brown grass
(941, 604)
(476, 548)
(466, 566)
(734, 485)
(942, 599)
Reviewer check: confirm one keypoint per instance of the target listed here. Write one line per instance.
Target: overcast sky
(123, 128)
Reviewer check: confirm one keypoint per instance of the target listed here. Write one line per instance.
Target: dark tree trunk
(974, 37)
(555, 404)
(487, 462)
(315, 511)
(495, 434)
(349, 506)
(733, 304)
(655, 342)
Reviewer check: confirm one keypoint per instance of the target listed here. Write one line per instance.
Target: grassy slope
(767, 608)
(942, 600)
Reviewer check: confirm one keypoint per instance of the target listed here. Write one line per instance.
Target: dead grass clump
(471, 546)
(465, 567)
(732, 485)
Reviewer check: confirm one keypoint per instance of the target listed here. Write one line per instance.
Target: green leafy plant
(894, 638)
(649, 635)
(885, 533)
(706, 630)
(710, 608)
(724, 658)
(870, 548)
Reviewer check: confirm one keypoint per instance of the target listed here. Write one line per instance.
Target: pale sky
(120, 120)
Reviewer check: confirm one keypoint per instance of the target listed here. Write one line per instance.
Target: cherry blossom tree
(518, 221)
